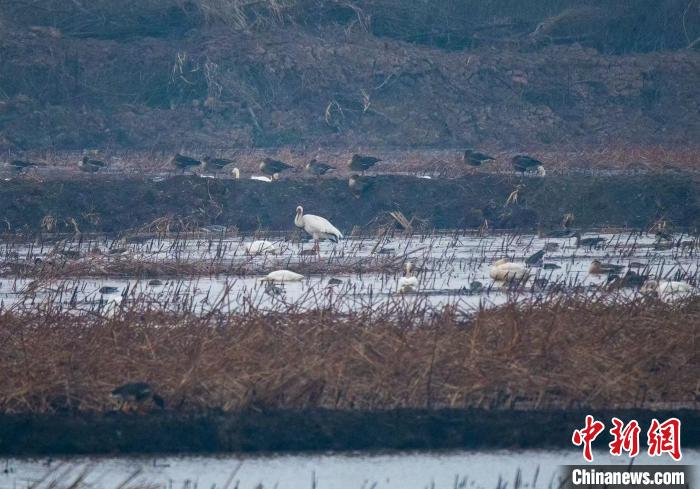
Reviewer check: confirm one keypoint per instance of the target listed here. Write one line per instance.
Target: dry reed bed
(129, 267)
(563, 352)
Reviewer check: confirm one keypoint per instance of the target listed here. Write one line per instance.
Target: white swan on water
(282, 276)
(318, 227)
(506, 271)
(408, 283)
(667, 289)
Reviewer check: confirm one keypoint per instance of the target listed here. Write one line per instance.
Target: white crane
(318, 227)
(506, 271)
(408, 283)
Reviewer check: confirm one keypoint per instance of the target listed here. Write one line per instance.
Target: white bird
(261, 247)
(408, 283)
(506, 271)
(317, 226)
(667, 288)
(261, 178)
(282, 276)
(237, 175)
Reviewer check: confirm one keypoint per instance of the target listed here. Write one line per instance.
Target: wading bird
(408, 283)
(557, 233)
(563, 231)
(535, 258)
(474, 158)
(273, 167)
(184, 162)
(21, 165)
(588, 242)
(551, 247)
(237, 175)
(136, 393)
(506, 271)
(475, 287)
(216, 164)
(261, 247)
(524, 163)
(316, 167)
(273, 290)
(282, 276)
(631, 279)
(362, 163)
(260, 178)
(318, 227)
(90, 165)
(597, 268)
(359, 184)
(666, 288)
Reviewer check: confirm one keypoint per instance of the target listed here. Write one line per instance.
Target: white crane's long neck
(299, 220)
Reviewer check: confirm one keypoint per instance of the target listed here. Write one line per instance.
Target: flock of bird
(271, 169)
(502, 271)
(358, 183)
(319, 228)
(506, 271)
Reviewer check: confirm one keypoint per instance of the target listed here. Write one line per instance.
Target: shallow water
(418, 470)
(447, 264)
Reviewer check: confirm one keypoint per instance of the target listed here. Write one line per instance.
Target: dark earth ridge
(113, 204)
(311, 430)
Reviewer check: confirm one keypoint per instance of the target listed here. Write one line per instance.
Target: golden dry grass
(566, 352)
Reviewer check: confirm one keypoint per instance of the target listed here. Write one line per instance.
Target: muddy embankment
(202, 73)
(114, 204)
(311, 430)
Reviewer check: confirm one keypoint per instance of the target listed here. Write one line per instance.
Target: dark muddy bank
(113, 204)
(291, 431)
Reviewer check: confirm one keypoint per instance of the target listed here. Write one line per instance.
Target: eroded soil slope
(173, 74)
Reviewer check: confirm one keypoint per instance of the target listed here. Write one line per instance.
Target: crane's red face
(299, 210)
